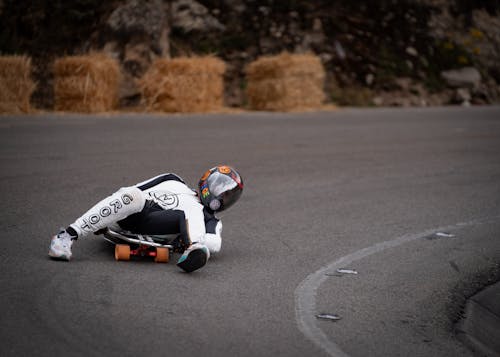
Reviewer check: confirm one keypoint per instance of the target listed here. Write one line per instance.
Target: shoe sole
(60, 257)
(195, 260)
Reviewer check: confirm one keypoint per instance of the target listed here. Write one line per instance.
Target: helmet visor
(219, 183)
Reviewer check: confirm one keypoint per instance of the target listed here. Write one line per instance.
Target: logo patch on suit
(165, 199)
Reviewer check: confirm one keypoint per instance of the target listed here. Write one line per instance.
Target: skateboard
(140, 245)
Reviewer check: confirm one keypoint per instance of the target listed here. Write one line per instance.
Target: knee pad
(132, 198)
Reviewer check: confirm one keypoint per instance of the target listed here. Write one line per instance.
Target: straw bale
(285, 82)
(191, 65)
(186, 84)
(80, 106)
(86, 83)
(16, 85)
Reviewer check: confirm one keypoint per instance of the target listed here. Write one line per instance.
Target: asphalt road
(361, 189)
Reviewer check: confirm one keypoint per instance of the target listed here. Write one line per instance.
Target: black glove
(179, 245)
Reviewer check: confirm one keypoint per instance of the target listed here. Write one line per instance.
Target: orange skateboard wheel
(122, 252)
(162, 255)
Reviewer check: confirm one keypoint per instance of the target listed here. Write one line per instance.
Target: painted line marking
(305, 293)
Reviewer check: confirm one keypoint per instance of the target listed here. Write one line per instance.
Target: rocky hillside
(386, 52)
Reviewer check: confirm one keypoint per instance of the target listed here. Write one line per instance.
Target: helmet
(220, 187)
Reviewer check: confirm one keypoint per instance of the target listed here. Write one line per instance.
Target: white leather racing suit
(161, 205)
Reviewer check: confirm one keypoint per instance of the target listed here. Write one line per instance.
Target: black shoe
(193, 259)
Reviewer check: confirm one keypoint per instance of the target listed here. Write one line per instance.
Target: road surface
(366, 190)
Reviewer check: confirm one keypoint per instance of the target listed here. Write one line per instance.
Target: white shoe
(60, 246)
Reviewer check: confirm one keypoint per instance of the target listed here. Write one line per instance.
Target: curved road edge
(305, 293)
(480, 329)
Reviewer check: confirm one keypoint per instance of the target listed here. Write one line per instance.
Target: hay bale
(185, 84)
(285, 82)
(16, 85)
(86, 83)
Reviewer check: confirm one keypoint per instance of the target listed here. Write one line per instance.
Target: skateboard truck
(146, 246)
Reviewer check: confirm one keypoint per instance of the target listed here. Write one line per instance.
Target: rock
(140, 21)
(137, 58)
(411, 51)
(313, 39)
(486, 38)
(403, 83)
(148, 17)
(266, 43)
(464, 77)
(378, 101)
(112, 49)
(317, 25)
(326, 57)
(369, 79)
(339, 50)
(480, 38)
(309, 41)
(400, 101)
(462, 96)
(419, 89)
(484, 94)
(237, 5)
(189, 15)
(136, 32)
(128, 92)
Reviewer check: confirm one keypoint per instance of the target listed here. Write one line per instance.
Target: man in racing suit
(162, 205)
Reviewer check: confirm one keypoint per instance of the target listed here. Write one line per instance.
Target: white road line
(305, 294)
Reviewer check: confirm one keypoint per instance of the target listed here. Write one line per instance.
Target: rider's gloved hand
(178, 244)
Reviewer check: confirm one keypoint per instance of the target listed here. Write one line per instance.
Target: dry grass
(285, 82)
(184, 85)
(86, 84)
(16, 85)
